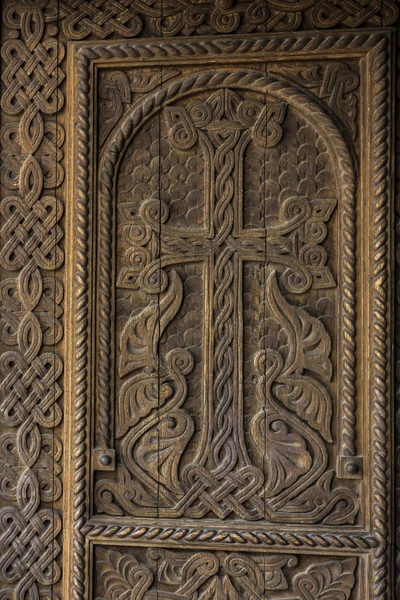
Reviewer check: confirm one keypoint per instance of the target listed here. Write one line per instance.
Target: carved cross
(224, 124)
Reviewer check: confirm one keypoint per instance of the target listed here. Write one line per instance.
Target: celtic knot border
(31, 255)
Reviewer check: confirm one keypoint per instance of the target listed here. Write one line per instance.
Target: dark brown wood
(222, 397)
(212, 417)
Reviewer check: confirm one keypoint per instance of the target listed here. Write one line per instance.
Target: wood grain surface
(196, 300)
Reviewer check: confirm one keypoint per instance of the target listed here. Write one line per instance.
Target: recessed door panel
(226, 303)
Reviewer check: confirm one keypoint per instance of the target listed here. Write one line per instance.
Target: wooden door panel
(217, 189)
(225, 304)
(228, 341)
(205, 412)
(160, 573)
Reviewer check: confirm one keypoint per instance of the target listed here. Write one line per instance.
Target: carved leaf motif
(327, 581)
(309, 348)
(310, 400)
(122, 576)
(138, 397)
(140, 336)
(160, 450)
(287, 454)
(309, 342)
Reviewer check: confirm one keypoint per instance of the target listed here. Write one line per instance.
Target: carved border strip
(307, 44)
(396, 362)
(80, 312)
(379, 340)
(222, 17)
(380, 346)
(31, 211)
(263, 539)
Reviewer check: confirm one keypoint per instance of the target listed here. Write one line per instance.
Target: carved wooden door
(226, 381)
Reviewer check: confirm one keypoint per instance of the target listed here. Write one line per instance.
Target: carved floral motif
(221, 576)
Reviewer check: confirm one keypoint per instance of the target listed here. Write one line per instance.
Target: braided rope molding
(81, 312)
(397, 321)
(300, 43)
(267, 539)
(104, 319)
(380, 323)
(339, 151)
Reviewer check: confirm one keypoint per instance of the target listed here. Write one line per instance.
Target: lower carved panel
(156, 573)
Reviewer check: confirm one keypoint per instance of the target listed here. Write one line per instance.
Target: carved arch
(318, 115)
